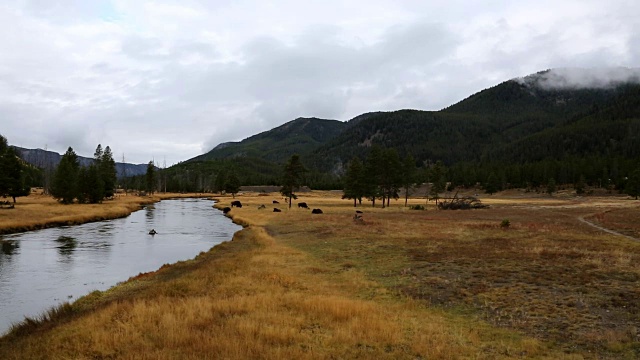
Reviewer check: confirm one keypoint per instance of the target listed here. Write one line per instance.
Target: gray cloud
(580, 78)
(175, 78)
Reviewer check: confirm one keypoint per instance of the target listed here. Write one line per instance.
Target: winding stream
(47, 267)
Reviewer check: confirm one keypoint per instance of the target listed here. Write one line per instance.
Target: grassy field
(399, 284)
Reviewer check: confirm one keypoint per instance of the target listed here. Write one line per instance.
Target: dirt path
(582, 219)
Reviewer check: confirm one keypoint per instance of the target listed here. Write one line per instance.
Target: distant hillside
(474, 128)
(542, 123)
(299, 136)
(49, 159)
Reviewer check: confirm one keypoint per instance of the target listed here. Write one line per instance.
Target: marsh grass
(405, 284)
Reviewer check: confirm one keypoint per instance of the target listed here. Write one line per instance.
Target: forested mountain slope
(299, 136)
(540, 124)
(502, 117)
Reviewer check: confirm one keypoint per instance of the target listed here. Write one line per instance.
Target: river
(51, 266)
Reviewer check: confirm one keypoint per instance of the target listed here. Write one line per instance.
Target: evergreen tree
(107, 172)
(491, 186)
(12, 176)
(373, 169)
(551, 186)
(632, 187)
(232, 184)
(97, 156)
(150, 178)
(221, 179)
(94, 185)
(390, 175)
(408, 176)
(65, 178)
(580, 185)
(439, 180)
(354, 181)
(293, 177)
(83, 186)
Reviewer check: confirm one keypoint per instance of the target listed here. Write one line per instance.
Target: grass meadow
(400, 284)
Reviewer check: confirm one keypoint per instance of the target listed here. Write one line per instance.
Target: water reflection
(67, 244)
(9, 247)
(39, 269)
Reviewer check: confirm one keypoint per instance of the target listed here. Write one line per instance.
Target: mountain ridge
(49, 159)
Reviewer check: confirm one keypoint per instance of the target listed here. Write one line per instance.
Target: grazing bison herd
(238, 204)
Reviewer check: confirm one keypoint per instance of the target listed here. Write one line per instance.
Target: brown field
(401, 284)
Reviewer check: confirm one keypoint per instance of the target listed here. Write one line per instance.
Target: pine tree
(83, 186)
(150, 178)
(408, 176)
(632, 187)
(292, 178)
(439, 180)
(354, 181)
(491, 186)
(390, 175)
(91, 185)
(372, 171)
(12, 178)
(221, 179)
(580, 185)
(65, 178)
(107, 172)
(232, 184)
(551, 186)
(97, 155)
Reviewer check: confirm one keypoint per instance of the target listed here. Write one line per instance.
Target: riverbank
(398, 284)
(38, 211)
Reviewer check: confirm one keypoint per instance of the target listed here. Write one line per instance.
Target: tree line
(90, 184)
(383, 174)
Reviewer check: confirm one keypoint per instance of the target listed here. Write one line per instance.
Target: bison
(236, 203)
(226, 210)
(303, 205)
(358, 212)
(276, 210)
(276, 202)
(316, 211)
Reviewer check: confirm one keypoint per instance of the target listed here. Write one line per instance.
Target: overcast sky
(172, 79)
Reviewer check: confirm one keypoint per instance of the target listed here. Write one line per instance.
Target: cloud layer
(172, 79)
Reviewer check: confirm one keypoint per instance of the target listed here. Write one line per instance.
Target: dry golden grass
(402, 284)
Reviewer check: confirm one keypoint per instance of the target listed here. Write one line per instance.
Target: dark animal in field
(276, 202)
(261, 207)
(226, 210)
(358, 212)
(153, 232)
(316, 211)
(236, 203)
(276, 210)
(303, 205)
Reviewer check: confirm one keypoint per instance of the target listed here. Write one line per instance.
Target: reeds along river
(40, 269)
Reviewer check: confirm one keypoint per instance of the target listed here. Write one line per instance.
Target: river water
(47, 267)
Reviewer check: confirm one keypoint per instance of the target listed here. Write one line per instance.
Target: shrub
(416, 207)
(505, 224)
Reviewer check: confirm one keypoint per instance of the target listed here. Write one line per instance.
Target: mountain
(487, 125)
(49, 159)
(559, 122)
(299, 136)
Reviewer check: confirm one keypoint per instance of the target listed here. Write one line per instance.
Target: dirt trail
(582, 219)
